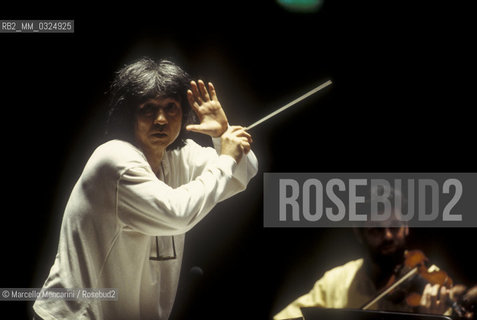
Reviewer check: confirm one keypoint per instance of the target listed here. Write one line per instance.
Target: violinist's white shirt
(346, 286)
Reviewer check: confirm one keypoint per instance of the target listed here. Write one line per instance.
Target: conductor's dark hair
(138, 82)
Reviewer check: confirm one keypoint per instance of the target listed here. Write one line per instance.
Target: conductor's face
(158, 123)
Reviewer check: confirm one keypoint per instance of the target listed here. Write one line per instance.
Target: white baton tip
(288, 105)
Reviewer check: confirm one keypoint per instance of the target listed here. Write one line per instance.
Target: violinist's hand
(470, 302)
(470, 297)
(434, 299)
(213, 121)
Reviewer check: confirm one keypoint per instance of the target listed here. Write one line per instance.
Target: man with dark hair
(354, 284)
(140, 192)
(138, 82)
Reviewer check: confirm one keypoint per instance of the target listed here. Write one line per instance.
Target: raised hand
(213, 121)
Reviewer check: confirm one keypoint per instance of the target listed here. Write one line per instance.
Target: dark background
(400, 102)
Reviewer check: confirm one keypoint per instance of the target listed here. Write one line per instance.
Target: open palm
(213, 121)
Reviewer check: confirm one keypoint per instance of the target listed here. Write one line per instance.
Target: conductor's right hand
(235, 142)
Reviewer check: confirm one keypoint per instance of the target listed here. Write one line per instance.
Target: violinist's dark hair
(394, 196)
(396, 199)
(138, 82)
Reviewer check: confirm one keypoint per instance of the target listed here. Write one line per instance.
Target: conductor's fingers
(244, 134)
(235, 128)
(245, 145)
(213, 93)
(195, 91)
(239, 131)
(192, 102)
(203, 91)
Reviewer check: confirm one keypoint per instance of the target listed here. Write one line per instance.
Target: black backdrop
(400, 102)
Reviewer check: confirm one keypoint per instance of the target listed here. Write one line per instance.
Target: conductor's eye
(171, 109)
(148, 110)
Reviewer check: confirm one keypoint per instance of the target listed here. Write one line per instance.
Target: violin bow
(408, 275)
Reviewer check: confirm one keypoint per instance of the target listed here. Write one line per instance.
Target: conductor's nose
(161, 117)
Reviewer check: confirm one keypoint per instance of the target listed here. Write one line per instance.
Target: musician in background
(357, 282)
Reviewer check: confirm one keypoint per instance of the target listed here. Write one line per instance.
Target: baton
(288, 105)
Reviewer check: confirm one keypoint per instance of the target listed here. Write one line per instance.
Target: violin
(415, 267)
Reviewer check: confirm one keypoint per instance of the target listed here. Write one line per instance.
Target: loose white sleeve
(148, 205)
(243, 172)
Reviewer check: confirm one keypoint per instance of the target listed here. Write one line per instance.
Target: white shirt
(346, 286)
(120, 214)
